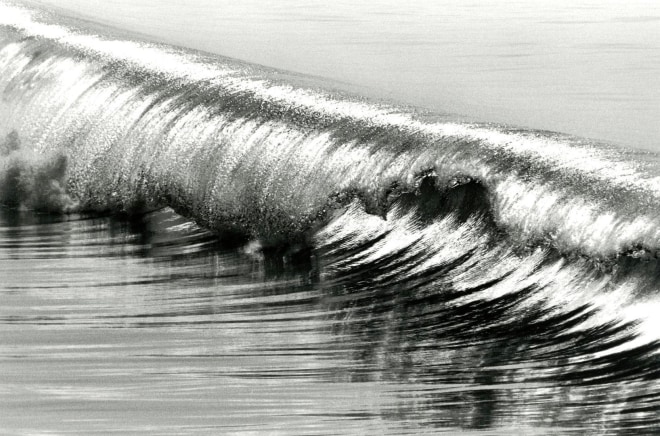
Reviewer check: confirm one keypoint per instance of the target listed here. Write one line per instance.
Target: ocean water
(194, 244)
(589, 68)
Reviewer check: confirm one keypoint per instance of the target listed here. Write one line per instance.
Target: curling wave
(112, 124)
(483, 275)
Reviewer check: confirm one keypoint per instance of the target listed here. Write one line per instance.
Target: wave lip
(134, 124)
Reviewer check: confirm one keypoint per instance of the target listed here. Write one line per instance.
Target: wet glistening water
(149, 325)
(192, 244)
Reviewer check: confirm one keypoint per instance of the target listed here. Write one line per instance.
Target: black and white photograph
(311, 218)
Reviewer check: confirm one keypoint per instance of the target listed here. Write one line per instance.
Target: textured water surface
(193, 244)
(150, 325)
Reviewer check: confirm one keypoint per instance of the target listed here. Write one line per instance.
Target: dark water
(343, 267)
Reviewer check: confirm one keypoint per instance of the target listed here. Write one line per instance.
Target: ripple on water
(152, 325)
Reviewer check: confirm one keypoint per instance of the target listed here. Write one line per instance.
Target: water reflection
(150, 325)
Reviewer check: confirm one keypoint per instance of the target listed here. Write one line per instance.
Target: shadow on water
(494, 360)
(467, 360)
(464, 199)
(472, 361)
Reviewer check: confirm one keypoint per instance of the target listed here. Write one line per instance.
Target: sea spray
(33, 181)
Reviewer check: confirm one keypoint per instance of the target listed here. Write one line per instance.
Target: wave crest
(126, 125)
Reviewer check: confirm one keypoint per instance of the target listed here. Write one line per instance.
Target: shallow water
(150, 325)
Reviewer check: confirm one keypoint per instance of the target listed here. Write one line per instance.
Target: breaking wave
(95, 122)
(439, 231)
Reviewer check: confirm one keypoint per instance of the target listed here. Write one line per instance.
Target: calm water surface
(590, 68)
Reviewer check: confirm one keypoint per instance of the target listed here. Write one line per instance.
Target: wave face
(236, 147)
(414, 229)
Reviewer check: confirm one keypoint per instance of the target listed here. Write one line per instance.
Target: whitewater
(446, 239)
